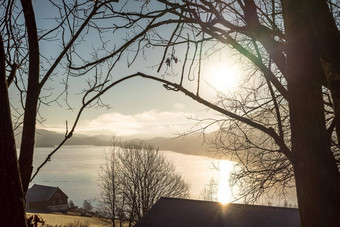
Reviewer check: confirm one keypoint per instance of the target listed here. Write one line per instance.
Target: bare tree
(71, 205)
(261, 170)
(112, 201)
(27, 71)
(291, 56)
(210, 192)
(134, 177)
(87, 205)
(291, 45)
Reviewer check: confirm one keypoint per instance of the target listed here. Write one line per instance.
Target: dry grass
(69, 220)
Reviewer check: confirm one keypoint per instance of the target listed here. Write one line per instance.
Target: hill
(191, 144)
(45, 138)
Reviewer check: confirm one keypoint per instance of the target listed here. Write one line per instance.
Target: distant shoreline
(200, 153)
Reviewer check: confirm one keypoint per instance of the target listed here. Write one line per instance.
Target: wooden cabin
(46, 198)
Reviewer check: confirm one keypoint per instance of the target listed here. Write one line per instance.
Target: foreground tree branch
(262, 33)
(280, 126)
(33, 91)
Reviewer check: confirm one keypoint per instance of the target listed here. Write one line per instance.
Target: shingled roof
(171, 212)
(40, 193)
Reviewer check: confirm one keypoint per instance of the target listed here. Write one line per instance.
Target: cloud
(179, 106)
(148, 123)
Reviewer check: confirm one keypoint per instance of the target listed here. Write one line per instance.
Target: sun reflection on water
(224, 191)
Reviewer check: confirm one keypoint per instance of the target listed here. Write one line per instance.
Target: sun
(223, 78)
(224, 195)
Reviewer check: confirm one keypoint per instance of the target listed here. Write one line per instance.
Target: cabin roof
(171, 212)
(41, 193)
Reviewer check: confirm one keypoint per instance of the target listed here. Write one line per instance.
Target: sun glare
(223, 78)
(224, 195)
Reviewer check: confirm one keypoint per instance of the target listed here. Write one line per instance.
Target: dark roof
(40, 193)
(170, 212)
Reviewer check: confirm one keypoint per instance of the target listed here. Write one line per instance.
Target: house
(46, 198)
(171, 212)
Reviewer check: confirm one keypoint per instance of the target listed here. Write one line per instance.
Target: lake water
(74, 169)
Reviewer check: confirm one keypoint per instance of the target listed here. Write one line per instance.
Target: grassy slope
(64, 220)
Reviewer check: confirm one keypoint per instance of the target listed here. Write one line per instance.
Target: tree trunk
(32, 96)
(316, 173)
(12, 203)
(328, 37)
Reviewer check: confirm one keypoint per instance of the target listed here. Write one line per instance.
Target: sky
(138, 108)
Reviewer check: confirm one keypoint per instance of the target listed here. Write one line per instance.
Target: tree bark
(32, 97)
(328, 36)
(12, 203)
(316, 173)
(264, 35)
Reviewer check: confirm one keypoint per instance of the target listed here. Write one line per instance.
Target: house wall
(62, 207)
(58, 202)
(37, 205)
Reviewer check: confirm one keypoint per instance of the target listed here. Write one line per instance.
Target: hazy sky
(138, 107)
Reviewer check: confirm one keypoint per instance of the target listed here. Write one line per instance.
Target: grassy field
(62, 220)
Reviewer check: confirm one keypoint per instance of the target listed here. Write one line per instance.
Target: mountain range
(192, 144)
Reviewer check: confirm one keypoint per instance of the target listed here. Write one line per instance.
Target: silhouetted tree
(112, 201)
(134, 177)
(290, 45)
(27, 71)
(71, 204)
(289, 49)
(87, 205)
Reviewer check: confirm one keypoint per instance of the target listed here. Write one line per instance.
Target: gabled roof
(171, 212)
(40, 193)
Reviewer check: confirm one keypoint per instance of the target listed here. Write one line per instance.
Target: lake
(74, 169)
